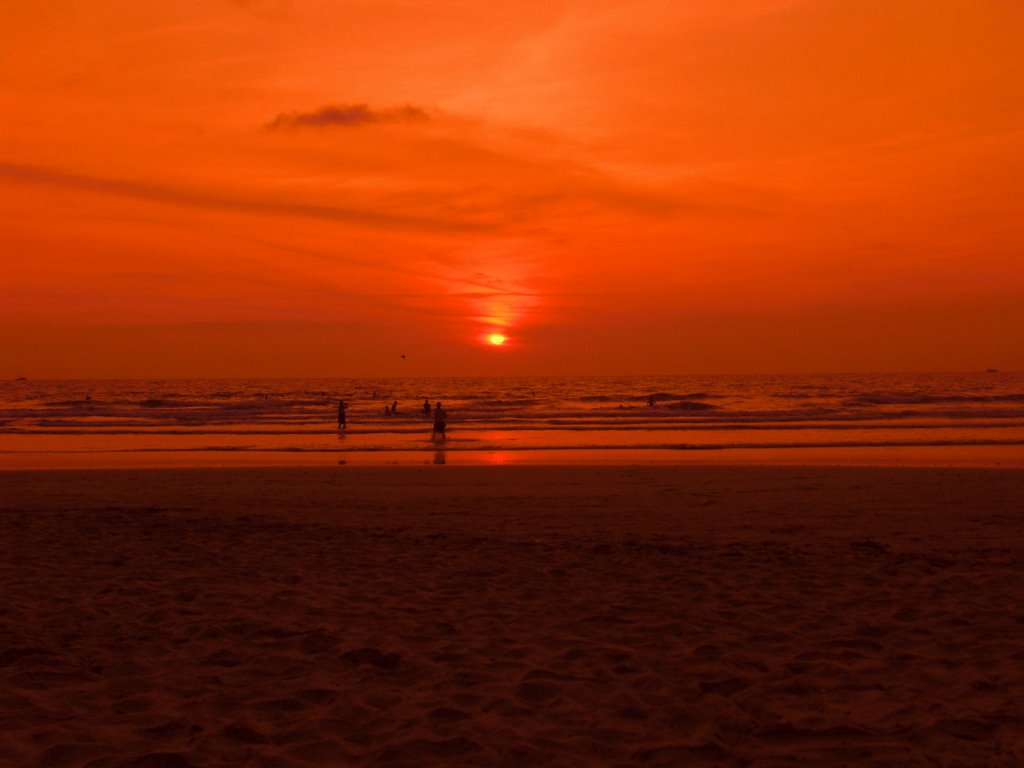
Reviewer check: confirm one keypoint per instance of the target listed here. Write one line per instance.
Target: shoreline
(977, 455)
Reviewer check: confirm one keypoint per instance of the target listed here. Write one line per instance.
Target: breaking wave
(689, 413)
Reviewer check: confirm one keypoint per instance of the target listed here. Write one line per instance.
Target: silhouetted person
(342, 407)
(651, 402)
(440, 423)
(426, 407)
(394, 408)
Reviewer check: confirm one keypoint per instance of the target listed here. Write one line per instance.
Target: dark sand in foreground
(512, 616)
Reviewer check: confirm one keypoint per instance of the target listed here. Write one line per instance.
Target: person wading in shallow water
(440, 423)
(342, 407)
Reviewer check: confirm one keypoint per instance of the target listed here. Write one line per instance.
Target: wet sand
(512, 616)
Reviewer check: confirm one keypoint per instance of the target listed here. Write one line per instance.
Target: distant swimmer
(426, 407)
(440, 423)
(342, 407)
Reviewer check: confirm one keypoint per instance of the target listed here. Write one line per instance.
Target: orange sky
(314, 187)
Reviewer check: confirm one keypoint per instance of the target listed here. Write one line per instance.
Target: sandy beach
(512, 616)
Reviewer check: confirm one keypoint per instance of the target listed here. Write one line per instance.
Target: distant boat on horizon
(991, 370)
(21, 378)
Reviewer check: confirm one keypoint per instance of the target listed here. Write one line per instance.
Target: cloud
(348, 116)
(193, 198)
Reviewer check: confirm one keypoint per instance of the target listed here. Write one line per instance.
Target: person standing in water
(440, 423)
(426, 407)
(342, 407)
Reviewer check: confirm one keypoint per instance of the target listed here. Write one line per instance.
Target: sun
(497, 339)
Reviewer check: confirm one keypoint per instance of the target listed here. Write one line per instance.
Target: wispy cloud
(172, 195)
(348, 116)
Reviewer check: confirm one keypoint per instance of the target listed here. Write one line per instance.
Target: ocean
(939, 418)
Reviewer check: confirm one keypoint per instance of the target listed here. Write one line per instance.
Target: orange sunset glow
(304, 187)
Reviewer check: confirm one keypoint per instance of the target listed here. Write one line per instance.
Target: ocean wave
(673, 396)
(633, 397)
(507, 402)
(686, 406)
(920, 398)
(638, 420)
(491, 446)
(691, 405)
